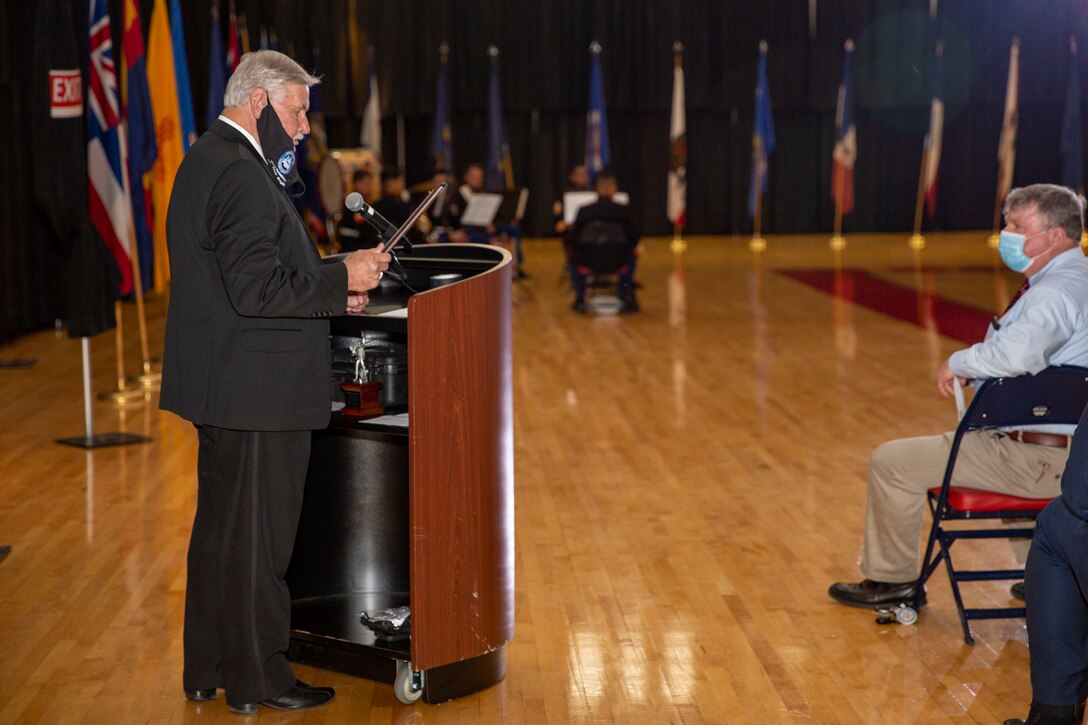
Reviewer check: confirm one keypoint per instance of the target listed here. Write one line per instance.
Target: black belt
(1039, 439)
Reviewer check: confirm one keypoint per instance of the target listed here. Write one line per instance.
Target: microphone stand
(386, 231)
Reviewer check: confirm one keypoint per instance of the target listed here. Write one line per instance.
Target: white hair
(266, 69)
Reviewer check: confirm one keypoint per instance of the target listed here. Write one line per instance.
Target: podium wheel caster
(408, 686)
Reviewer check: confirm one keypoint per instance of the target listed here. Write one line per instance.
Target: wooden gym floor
(690, 479)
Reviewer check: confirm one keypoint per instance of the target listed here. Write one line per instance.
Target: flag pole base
(678, 245)
(122, 395)
(147, 380)
(837, 243)
(993, 239)
(101, 440)
(757, 244)
(916, 242)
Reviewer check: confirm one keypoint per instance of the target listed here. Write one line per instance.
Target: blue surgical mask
(1010, 246)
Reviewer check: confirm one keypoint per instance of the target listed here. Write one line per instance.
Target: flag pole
(999, 194)
(838, 241)
(120, 394)
(147, 378)
(678, 245)
(757, 242)
(917, 241)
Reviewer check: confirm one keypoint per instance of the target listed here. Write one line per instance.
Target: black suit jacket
(246, 336)
(608, 211)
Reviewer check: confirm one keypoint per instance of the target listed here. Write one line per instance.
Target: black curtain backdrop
(545, 76)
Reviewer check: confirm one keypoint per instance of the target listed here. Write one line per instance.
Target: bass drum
(330, 183)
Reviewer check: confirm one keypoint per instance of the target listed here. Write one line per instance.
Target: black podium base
(101, 440)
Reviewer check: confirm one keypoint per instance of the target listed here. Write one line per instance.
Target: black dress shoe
(868, 593)
(579, 306)
(303, 686)
(200, 695)
(296, 698)
(1017, 591)
(1051, 715)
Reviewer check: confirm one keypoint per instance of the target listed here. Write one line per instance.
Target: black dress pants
(237, 605)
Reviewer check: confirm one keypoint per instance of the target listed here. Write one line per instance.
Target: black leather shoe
(1051, 715)
(303, 686)
(200, 695)
(579, 306)
(630, 305)
(296, 698)
(1017, 591)
(868, 593)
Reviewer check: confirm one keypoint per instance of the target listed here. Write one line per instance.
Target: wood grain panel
(461, 468)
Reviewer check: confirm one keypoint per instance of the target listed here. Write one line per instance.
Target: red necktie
(1019, 293)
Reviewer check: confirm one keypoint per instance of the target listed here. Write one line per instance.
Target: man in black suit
(604, 234)
(247, 362)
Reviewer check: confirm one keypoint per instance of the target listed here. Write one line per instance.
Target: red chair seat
(971, 499)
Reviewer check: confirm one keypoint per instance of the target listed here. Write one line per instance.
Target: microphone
(357, 204)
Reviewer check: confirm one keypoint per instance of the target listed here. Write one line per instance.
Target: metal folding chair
(1057, 395)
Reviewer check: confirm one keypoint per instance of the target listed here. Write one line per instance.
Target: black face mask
(279, 149)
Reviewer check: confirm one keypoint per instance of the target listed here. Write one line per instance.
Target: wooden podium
(419, 514)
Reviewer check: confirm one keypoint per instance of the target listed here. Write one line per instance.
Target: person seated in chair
(354, 232)
(392, 204)
(1045, 324)
(1055, 579)
(496, 233)
(604, 218)
(577, 180)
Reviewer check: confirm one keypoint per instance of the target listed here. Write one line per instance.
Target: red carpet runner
(952, 319)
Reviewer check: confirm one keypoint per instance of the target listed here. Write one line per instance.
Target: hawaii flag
(676, 204)
(936, 131)
(846, 141)
(1006, 147)
(108, 200)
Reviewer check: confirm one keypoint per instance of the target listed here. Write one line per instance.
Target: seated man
(577, 180)
(394, 208)
(1045, 324)
(604, 211)
(443, 211)
(494, 234)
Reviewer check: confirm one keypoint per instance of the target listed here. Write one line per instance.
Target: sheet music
(481, 209)
(575, 200)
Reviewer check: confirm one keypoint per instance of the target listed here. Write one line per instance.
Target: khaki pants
(902, 470)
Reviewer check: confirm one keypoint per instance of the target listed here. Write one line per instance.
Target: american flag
(109, 203)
